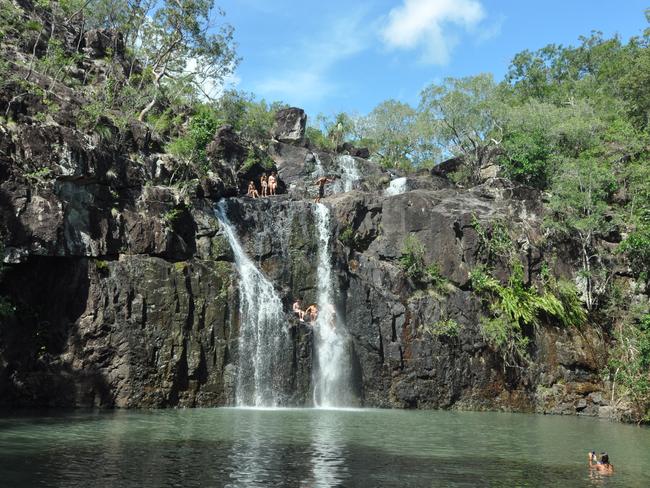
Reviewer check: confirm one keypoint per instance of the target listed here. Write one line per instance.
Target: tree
(579, 206)
(463, 118)
(177, 44)
(396, 136)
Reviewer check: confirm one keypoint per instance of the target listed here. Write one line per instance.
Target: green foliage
(629, 364)
(580, 210)
(463, 117)
(347, 236)
(253, 119)
(495, 239)
(637, 248)
(447, 327)
(39, 176)
(173, 216)
(256, 156)
(517, 305)
(398, 136)
(413, 263)
(434, 276)
(412, 258)
(191, 145)
(101, 266)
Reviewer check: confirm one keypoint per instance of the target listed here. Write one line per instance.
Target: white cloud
(308, 68)
(425, 24)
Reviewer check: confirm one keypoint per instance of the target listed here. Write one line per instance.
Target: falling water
(318, 167)
(397, 187)
(332, 375)
(349, 173)
(263, 335)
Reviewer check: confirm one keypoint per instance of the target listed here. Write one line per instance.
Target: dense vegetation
(572, 122)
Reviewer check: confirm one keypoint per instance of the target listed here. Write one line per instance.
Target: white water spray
(397, 187)
(332, 378)
(349, 173)
(319, 170)
(263, 335)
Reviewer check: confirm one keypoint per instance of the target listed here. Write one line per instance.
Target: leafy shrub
(414, 265)
(637, 249)
(517, 305)
(447, 327)
(172, 217)
(412, 258)
(495, 240)
(200, 131)
(629, 364)
(347, 236)
(102, 267)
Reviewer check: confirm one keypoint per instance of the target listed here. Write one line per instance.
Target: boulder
(98, 43)
(290, 125)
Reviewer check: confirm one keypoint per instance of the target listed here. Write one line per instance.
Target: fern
(517, 305)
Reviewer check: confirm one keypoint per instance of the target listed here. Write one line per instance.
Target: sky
(335, 55)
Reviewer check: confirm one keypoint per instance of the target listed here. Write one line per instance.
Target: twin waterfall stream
(264, 324)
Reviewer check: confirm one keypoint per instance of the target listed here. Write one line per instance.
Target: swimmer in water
(602, 466)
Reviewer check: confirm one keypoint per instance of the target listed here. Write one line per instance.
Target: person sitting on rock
(264, 184)
(297, 309)
(311, 314)
(273, 183)
(320, 183)
(252, 191)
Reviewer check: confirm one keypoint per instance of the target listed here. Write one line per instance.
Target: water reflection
(328, 451)
(250, 459)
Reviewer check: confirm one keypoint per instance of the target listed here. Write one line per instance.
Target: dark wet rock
(99, 43)
(290, 125)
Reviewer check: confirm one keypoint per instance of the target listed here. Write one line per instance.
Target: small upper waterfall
(349, 173)
(263, 335)
(332, 377)
(319, 170)
(397, 187)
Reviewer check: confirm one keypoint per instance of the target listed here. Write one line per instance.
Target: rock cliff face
(126, 293)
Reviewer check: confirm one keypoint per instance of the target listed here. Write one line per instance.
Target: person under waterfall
(252, 191)
(311, 314)
(320, 183)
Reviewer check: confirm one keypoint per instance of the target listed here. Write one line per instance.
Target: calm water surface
(314, 448)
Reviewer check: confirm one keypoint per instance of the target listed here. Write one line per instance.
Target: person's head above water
(604, 458)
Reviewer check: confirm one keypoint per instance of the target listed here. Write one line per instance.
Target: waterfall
(349, 174)
(319, 170)
(263, 335)
(332, 378)
(397, 187)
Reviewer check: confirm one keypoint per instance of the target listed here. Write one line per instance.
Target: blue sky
(334, 55)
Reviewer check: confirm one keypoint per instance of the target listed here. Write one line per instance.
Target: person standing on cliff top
(273, 183)
(264, 185)
(320, 183)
